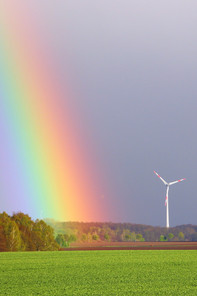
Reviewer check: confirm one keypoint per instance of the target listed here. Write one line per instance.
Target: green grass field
(99, 273)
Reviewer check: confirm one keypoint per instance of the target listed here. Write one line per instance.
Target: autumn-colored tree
(170, 236)
(139, 237)
(13, 237)
(84, 237)
(72, 238)
(3, 247)
(43, 236)
(181, 236)
(133, 236)
(11, 232)
(95, 237)
(25, 225)
(106, 237)
(128, 236)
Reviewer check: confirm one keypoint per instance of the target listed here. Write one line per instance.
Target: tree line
(20, 233)
(67, 232)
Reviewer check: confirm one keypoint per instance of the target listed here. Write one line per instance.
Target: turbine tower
(166, 201)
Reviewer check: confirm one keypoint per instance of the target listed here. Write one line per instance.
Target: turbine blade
(161, 178)
(171, 183)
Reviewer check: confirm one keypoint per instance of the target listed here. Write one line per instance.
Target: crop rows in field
(99, 273)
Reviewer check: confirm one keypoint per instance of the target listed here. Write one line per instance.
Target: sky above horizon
(132, 69)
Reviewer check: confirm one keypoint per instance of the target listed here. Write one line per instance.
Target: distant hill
(110, 231)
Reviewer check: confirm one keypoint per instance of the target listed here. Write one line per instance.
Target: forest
(20, 232)
(67, 232)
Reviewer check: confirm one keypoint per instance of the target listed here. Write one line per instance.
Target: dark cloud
(133, 68)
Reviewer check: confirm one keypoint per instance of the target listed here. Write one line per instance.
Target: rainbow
(47, 168)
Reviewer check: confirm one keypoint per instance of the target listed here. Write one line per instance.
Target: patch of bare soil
(132, 246)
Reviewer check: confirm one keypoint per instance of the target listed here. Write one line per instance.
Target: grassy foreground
(99, 273)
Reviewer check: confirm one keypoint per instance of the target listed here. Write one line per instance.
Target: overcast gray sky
(132, 66)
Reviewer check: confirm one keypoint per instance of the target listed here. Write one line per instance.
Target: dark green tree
(163, 238)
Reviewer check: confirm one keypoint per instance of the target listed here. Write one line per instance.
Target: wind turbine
(166, 201)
